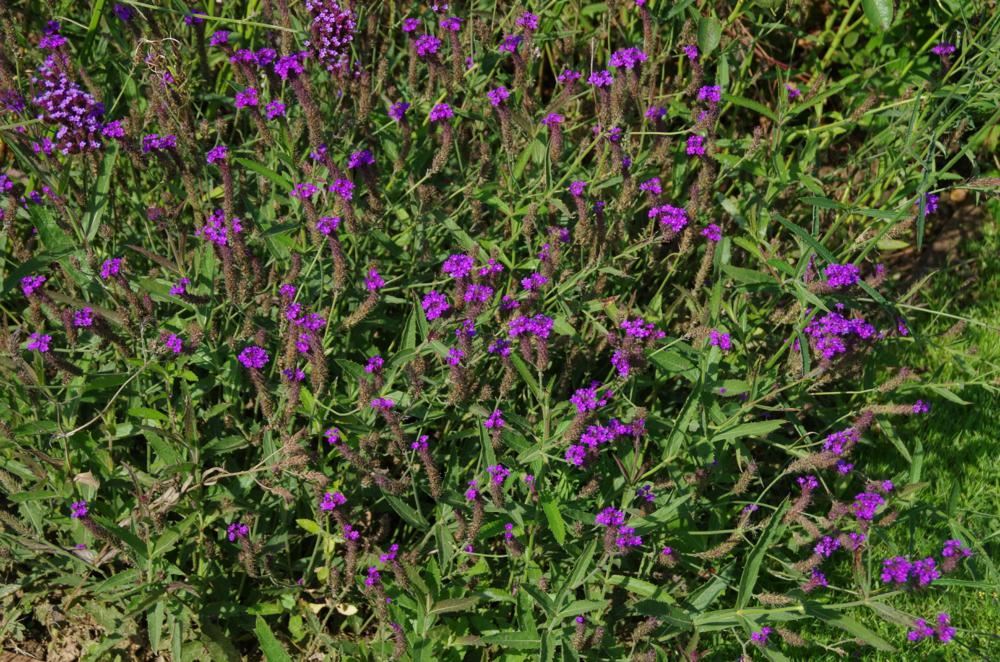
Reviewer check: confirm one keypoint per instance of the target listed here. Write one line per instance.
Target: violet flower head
(568, 76)
(331, 33)
(807, 483)
(673, 218)
(304, 191)
(217, 153)
(691, 52)
(374, 281)
(350, 533)
(237, 530)
(293, 374)
(333, 436)
(494, 421)
(627, 58)
(930, 203)
(156, 143)
(645, 492)
(921, 407)
(539, 326)
(652, 186)
(721, 340)
(827, 546)
(710, 93)
(498, 473)
(576, 188)
(122, 12)
(39, 342)
(471, 494)
(610, 516)
(955, 548)
(274, 109)
(374, 364)
(78, 509)
(410, 25)
(451, 24)
(30, 284)
(441, 111)
(695, 145)
(111, 267)
(458, 265)
(173, 342)
(627, 538)
(866, 504)
(397, 111)
(421, 444)
(534, 282)
(290, 65)
(944, 630)
(435, 305)
(382, 404)
(331, 501)
(455, 356)
(427, 44)
(590, 398)
(83, 318)
(498, 95)
(327, 225)
(712, 232)
(842, 275)
(793, 92)
(760, 637)
(361, 159)
(219, 38)
(943, 49)
(921, 630)
(247, 98)
(528, 21)
(510, 43)
(342, 188)
(601, 79)
(478, 293)
(655, 113)
(373, 577)
(253, 357)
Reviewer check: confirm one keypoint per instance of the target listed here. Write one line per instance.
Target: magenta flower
(397, 111)
(627, 58)
(111, 267)
(954, 548)
(254, 357)
(455, 356)
(373, 576)
(498, 473)
(374, 364)
(710, 93)
(361, 159)
(382, 404)
(333, 436)
(217, 153)
(410, 25)
(330, 501)
(691, 51)
(652, 185)
(590, 398)
(78, 509)
(943, 49)
(237, 530)
(610, 516)
(552, 119)
(601, 79)
(331, 31)
(576, 188)
(656, 113)
(435, 305)
(441, 111)
(83, 318)
(793, 92)
(374, 281)
(421, 444)
(510, 43)
(866, 504)
(569, 76)
(173, 342)
(674, 218)
(842, 275)
(274, 109)
(30, 284)
(721, 340)
(304, 191)
(528, 21)
(342, 188)
(39, 342)
(498, 95)
(247, 98)
(494, 421)
(427, 44)
(760, 636)
(327, 225)
(712, 232)
(451, 24)
(458, 265)
(534, 282)
(827, 546)
(696, 146)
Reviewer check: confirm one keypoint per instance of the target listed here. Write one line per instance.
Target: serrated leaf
(269, 644)
(552, 515)
(709, 34)
(878, 13)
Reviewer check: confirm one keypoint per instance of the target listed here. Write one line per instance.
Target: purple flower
(944, 630)
(510, 43)
(289, 65)
(451, 24)
(930, 203)
(361, 159)
(568, 76)
(674, 218)
(30, 284)
(576, 188)
(865, 505)
(410, 25)
(350, 533)
(793, 92)
(589, 398)
(342, 188)
(721, 340)
(844, 467)
(253, 357)
(219, 38)
(645, 493)
(441, 111)
(123, 12)
(333, 436)
(455, 356)
(304, 191)
(827, 546)
(217, 153)
(472, 494)
(691, 51)
(382, 404)
(374, 364)
(807, 483)
(331, 33)
(539, 326)
(552, 119)
(499, 346)
(656, 113)
(626, 538)
(710, 93)
(237, 530)
(498, 95)
(330, 501)
(925, 571)
(327, 225)
(435, 305)
(78, 509)
(953, 548)
(458, 265)
(494, 421)
(427, 44)
(397, 111)
(111, 267)
(498, 473)
(627, 58)
(173, 342)
(83, 318)
(696, 146)
(610, 517)
(842, 275)
(943, 49)
(247, 98)
(534, 282)
(39, 342)
(920, 630)
(293, 374)
(528, 21)
(194, 18)
(760, 636)
(712, 232)
(601, 79)
(652, 185)
(155, 143)
(373, 576)
(374, 281)
(478, 293)
(274, 109)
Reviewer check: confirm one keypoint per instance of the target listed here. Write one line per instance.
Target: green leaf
(670, 361)
(878, 13)
(751, 569)
(709, 34)
(453, 604)
(754, 429)
(747, 275)
(310, 525)
(551, 508)
(411, 516)
(752, 105)
(848, 624)
(269, 644)
(99, 200)
(516, 640)
(282, 182)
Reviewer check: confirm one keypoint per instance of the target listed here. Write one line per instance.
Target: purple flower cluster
(332, 31)
(539, 326)
(901, 571)
(237, 530)
(498, 95)
(494, 421)
(601, 79)
(627, 58)
(30, 284)
(590, 398)
(842, 275)
(674, 218)
(154, 142)
(215, 229)
(498, 473)
(253, 357)
(943, 629)
(841, 441)
(331, 501)
(74, 114)
(721, 340)
(832, 333)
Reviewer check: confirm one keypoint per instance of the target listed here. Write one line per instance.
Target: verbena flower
(451, 24)
(568, 76)
(590, 398)
(111, 267)
(690, 51)
(955, 548)
(331, 33)
(576, 188)
(842, 275)
(760, 637)
(31, 284)
(274, 109)
(397, 111)
(710, 93)
(304, 190)
(827, 546)
(943, 49)
(601, 79)
(361, 159)
(331, 501)
(627, 58)
(219, 38)
(645, 492)
(39, 342)
(410, 25)
(510, 43)
(866, 504)
(721, 340)
(498, 473)
(528, 21)
(494, 421)
(342, 188)
(217, 153)
(374, 281)
(156, 143)
(441, 111)
(333, 436)
(610, 516)
(435, 305)
(498, 95)
(427, 44)
(695, 146)
(253, 357)
(327, 225)
(83, 318)
(78, 509)
(712, 232)
(652, 185)
(674, 218)
(173, 342)
(237, 530)
(458, 265)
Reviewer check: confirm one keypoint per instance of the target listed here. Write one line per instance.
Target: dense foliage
(377, 329)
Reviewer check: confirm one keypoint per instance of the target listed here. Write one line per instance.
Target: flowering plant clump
(379, 330)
